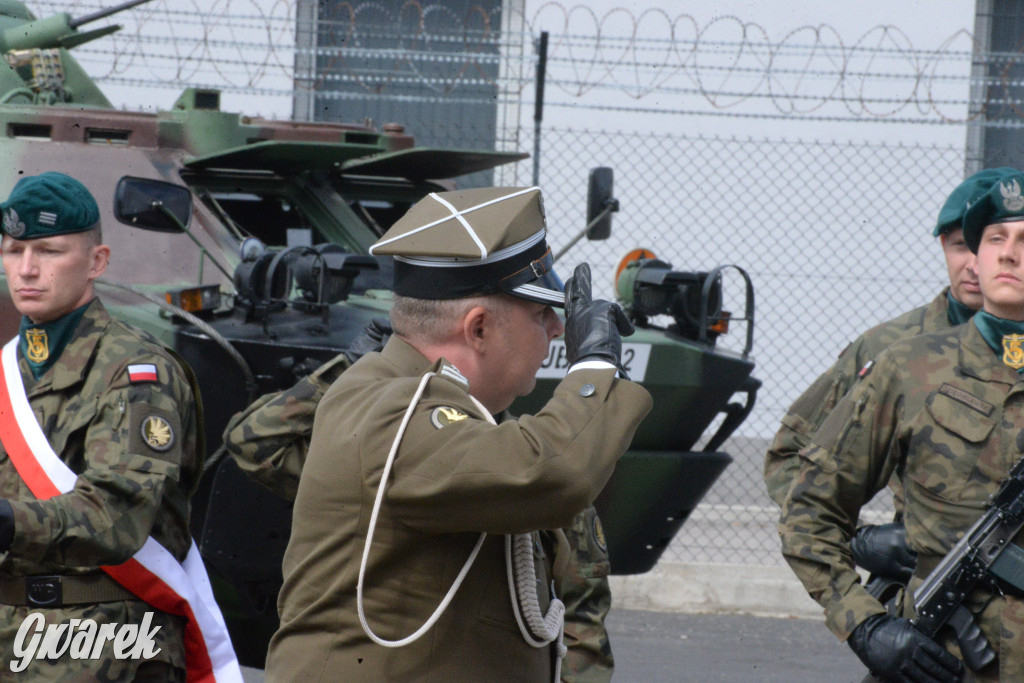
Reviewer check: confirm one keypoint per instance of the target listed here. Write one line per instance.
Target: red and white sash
(153, 574)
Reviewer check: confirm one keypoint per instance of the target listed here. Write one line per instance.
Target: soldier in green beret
(414, 551)
(941, 411)
(118, 412)
(881, 549)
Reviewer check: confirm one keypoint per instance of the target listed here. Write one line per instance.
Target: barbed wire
(724, 65)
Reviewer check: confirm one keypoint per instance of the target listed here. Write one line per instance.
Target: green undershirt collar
(957, 313)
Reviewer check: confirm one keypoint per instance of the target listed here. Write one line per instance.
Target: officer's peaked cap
(1002, 203)
(951, 215)
(48, 204)
(464, 243)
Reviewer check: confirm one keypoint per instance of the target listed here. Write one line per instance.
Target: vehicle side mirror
(601, 203)
(152, 204)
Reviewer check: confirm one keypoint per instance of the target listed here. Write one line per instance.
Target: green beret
(1002, 203)
(474, 242)
(48, 204)
(951, 215)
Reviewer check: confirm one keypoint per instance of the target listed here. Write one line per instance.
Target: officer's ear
(476, 328)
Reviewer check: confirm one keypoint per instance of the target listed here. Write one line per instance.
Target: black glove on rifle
(896, 651)
(373, 338)
(593, 328)
(882, 549)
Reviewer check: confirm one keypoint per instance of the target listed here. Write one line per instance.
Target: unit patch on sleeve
(142, 372)
(157, 433)
(443, 416)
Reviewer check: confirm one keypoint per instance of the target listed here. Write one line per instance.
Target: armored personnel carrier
(263, 274)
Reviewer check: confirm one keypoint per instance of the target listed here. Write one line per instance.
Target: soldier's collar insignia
(1012, 198)
(37, 346)
(157, 433)
(443, 416)
(1013, 350)
(13, 225)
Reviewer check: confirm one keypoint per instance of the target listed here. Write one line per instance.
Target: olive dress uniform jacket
(127, 490)
(809, 411)
(455, 475)
(269, 441)
(944, 412)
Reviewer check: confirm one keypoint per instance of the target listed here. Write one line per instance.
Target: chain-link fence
(835, 235)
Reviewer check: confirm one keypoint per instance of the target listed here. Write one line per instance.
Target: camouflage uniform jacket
(269, 441)
(809, 411)
(944, 412)
(126, 490)
(454, 476)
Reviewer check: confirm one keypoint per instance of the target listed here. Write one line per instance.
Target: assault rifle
(982, 556)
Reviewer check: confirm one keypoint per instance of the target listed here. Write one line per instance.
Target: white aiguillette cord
(548, 627)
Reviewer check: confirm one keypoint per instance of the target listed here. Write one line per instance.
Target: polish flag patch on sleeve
(142, 372)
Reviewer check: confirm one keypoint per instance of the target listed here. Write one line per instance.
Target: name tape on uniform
(634, 360)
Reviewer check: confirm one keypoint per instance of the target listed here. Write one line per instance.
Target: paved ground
(727, 648)
(651, 647)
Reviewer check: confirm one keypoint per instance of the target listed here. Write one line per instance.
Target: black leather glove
(373, 338)
(896, 651)
(593, 327)
(882, 549)
(6, 525)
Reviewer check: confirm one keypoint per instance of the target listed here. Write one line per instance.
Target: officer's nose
(554, 324)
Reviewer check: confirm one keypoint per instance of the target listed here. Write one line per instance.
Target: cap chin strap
(537, 630)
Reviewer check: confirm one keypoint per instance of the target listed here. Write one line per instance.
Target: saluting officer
(942, 410)
(881, 549)
(102, 458)
(269, 441)
(420, 499)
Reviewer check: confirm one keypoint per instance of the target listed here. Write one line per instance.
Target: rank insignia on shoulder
(443, 416)
(157, 433)
(452, 373)
(866, 370)
(142, 372)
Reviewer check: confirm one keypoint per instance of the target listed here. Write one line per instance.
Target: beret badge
(1012, 199)
(13, 225)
